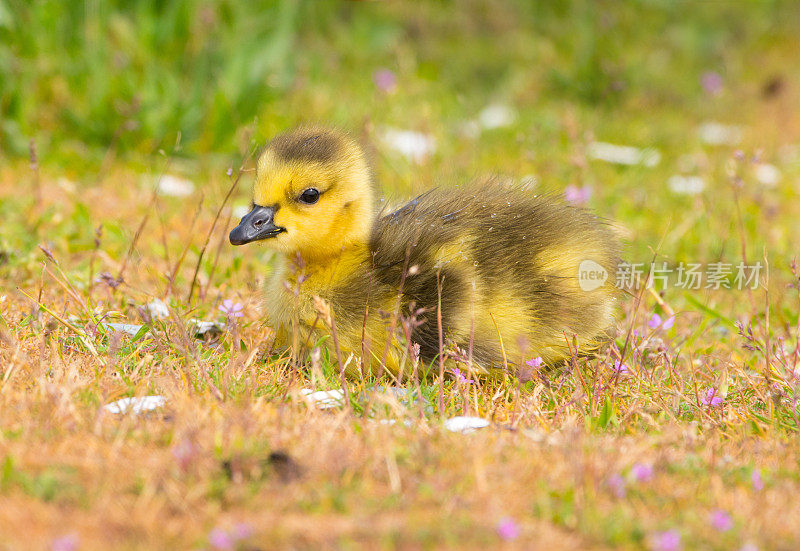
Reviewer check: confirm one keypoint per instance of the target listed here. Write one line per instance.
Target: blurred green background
(80, 76)
(515, 89)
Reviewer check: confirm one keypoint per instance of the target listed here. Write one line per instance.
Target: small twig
(324, 310)
(397, 306)
(142, 224)
(181, 258)
(213, 226)
(441, 339)
(502, 347)
(81, 334)
(342, 375)
(34, 164)
(767, 350)
(364, 346)
(163, 233)
(98, 235)
(203, 291)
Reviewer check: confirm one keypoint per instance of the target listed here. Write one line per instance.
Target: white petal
(324, 399)
(623, 154)
(416, 146)
(136, 405)
(542, 437)
(767, 174)
(497, 115)
(174, 186)
(686, 185)
(715, 133)
(158, 309)
(201, 327)
(129, 328)
(392, 422)
(465, 425)
(397, 392)
(239, 211)
(66, 184)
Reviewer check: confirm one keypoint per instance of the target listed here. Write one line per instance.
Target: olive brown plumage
(498, 264)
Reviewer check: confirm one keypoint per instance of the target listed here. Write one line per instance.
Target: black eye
(310, 196)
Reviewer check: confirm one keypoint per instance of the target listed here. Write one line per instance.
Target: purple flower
(535, 363)
(231, 309)
(461, 378)
(184, 452)
(711, 82)
(755, 479)
(507, 529)
(711, 398)
(620, 367)
(229, 172)
(68, 542)
(220, 539)
(642, 472)
(617, 485)
(385, 80)
(577, 195)
(720, 520)
(655, 322)
(669, 540)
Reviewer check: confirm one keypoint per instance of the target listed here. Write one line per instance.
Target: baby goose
(488, 274)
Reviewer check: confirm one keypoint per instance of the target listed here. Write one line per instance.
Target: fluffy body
(498, 265)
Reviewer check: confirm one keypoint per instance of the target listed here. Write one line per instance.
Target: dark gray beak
(256, 224)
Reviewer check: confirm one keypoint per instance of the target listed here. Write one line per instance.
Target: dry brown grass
(236, 447)
(166, 479)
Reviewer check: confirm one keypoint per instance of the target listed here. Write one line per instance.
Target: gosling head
(312, 195)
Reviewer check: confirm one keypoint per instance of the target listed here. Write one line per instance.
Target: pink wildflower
(507, 529)
(655, 322)
(617, 485)
(385, 80)
(720, 520)
(220, 539)
(642, 472)
(711, 398)
(711, 82)
(577, 195)
(461, 378)
(185, 453)
(669, 540)
(755, 479)
(620, 367)
(65, 543)
(535, 363)
(231, 309)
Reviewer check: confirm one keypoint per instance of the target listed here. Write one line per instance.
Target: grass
(121, 96)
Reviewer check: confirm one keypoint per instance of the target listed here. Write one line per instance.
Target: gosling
(485, 275)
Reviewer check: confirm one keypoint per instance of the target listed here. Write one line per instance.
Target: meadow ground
(689, 442)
